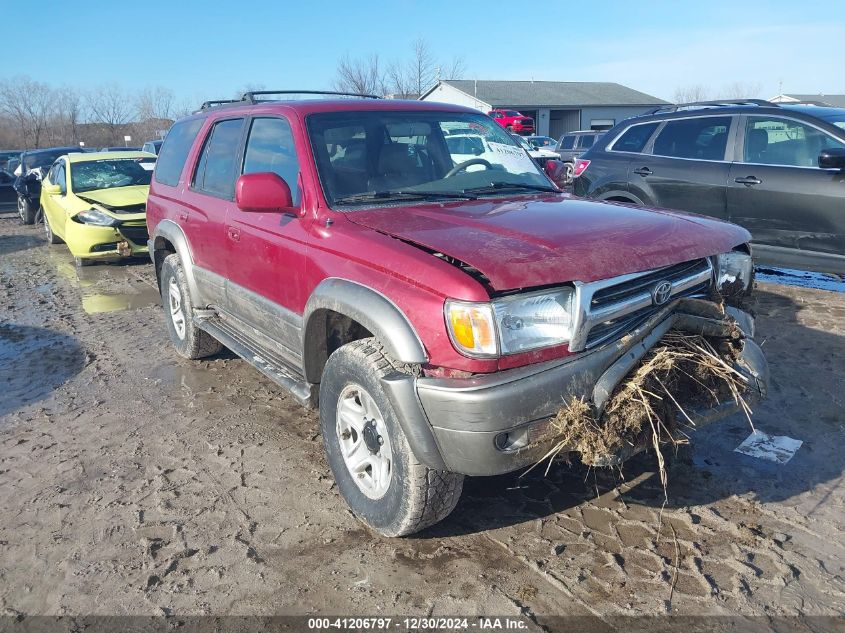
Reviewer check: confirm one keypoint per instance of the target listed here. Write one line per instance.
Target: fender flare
(621, 194)
(368, 307)
(173, 233)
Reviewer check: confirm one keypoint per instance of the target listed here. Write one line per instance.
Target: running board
(268, 363)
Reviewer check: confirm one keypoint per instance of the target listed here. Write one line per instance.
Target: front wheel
(373, 464)
(189, 341)
(52, 238)
(26, 211)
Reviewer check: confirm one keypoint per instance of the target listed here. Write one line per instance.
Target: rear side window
(567, 142)
(215, 172)
(587, 141)
(270, 148)
(704, 138)
(175, 150)
(635, 138)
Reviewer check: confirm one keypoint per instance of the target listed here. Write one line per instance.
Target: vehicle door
(266, 251)
(207, 201)
(794, 209)
(8, 195)
(55, 205)
(687, 167)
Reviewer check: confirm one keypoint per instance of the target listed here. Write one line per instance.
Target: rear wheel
(187, 338)
(373, 464)
(26, 210)
(568, 172)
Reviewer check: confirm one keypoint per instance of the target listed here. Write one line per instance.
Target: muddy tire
(26, 211)
(52, 238)
(413, 496)
(189, 341)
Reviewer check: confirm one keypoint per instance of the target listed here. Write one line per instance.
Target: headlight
(732, 266)
(95, 217)
(512, 324)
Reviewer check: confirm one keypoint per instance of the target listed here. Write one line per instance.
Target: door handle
(748, 181)
(643, 171)
(234, 234)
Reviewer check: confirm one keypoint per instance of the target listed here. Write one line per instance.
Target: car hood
(539, 240)
(117, 196)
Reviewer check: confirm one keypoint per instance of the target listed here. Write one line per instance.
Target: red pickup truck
(513, 121)
(438, 311)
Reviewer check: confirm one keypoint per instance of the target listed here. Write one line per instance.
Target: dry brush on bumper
(498, 423)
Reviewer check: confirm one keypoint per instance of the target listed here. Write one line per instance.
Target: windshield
(364, 156)
(41, 159)
(111, 173)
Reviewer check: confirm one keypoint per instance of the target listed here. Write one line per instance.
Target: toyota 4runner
(438, 312)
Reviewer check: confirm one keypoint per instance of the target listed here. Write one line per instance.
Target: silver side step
(268, 363)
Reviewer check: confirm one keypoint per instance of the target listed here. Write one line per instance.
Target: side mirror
(50, 189)
(555, 171)
(833, 158)
(265, 192)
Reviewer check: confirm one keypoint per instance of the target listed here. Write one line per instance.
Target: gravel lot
(133, 482)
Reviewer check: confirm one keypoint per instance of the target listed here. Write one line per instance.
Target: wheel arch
(167, 239)
(366, 308)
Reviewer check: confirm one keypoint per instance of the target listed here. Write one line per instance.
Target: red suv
(513, 121)
(437, 307)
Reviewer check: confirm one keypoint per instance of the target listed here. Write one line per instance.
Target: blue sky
(205, 50)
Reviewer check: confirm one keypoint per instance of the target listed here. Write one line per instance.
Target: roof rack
(719, 103)
(249, 97)
(216, 102)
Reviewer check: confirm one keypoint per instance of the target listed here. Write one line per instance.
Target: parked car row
(776, 169)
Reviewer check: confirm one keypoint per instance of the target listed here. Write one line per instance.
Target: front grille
(136, 233)
(613, 307)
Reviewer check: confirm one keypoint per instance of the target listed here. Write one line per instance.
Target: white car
(539, 154)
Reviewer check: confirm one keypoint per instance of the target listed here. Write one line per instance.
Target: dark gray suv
(776, 169)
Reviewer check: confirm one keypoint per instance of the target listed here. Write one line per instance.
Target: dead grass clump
(653, 404)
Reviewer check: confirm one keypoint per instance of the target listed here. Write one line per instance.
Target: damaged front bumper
(497, 423)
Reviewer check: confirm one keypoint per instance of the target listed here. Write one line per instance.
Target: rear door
(208, 200)
(266, 251)
(688, 168)
(794, 210)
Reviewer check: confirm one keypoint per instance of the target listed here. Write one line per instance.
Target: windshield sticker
(514, 159)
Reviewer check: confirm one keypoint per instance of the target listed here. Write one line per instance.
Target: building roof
(836, 101)
(551, 93)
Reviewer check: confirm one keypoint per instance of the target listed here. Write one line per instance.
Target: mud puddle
(106, 287)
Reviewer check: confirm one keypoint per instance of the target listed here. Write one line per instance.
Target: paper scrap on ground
(774, 448)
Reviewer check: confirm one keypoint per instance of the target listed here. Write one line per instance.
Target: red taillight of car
(580, 167)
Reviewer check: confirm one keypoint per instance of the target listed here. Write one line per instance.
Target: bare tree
(67, 116)
(110, 106)
(399, 80)
(741, 90)
(455, 69)
(691, 94)
(361, 75)
(423, 66)
(155, 103)
(28, 103)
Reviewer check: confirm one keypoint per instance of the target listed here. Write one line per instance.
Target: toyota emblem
(661, 292)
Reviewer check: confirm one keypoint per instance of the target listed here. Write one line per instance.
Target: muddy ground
(134, 482)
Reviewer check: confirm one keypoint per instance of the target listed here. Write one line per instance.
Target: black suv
(776, 169)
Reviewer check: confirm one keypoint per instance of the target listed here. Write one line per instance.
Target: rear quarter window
(634, 139)
(175, 150)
